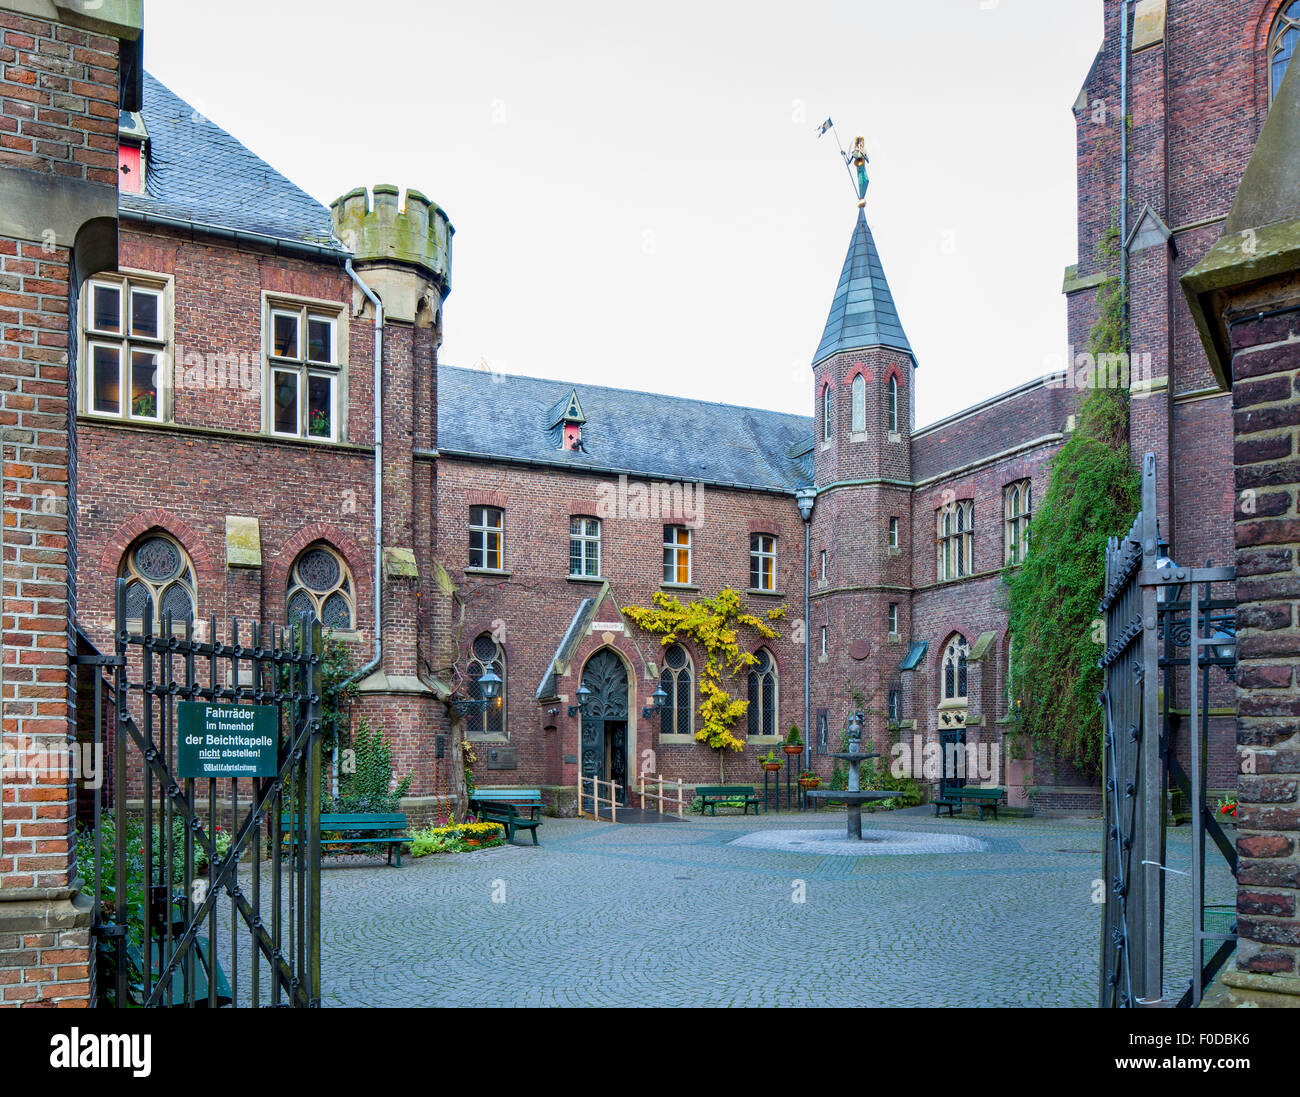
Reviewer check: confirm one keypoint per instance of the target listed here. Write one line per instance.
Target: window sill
(766, 593)
(895, 436)
(823, 658)
(489, 740)
(894, 550)
(895, 638)
(679, 586)
(765, 740)
(676, 740)
(585, 578)
(858, 436)
(823, 583)
(499, 572)
(827, 445)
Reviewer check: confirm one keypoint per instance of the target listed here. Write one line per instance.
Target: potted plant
(808, 780)
(771, 762)
(793, 742)
(1228, 806)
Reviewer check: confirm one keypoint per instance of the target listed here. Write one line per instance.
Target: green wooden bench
(986, 799)
(373, 830)
(713, 795)
(514, 808)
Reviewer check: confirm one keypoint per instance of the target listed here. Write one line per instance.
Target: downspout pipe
(1123, 147)
(377, 661)
(806, 498)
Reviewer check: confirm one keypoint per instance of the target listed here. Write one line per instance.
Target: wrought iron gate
(1153, 611)
(164, 939)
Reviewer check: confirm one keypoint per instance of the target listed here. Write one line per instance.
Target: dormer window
(132, 153)
(565, 421)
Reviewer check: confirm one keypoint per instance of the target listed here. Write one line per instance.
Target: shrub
(368, 787)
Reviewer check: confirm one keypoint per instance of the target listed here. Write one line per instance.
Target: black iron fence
(207, 891)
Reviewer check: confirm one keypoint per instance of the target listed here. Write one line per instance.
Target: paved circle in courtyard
(875, 843)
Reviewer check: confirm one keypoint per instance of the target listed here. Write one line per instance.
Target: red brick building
(241, 455)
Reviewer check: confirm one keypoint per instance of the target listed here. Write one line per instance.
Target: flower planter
(809, 783)
(773, 767)
(790, 748)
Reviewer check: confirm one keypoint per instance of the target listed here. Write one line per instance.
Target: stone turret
(405, 240)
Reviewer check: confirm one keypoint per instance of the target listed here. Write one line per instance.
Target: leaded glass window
(160, 581)
(490, 720)
(858, 391)
(954, 538)
(1281, 45)
(677, 681)
(320, 583)
(954, 669)
(762, 695)
(1016, 512)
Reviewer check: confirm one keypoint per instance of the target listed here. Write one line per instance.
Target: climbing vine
(1092, 493)
(714, 625)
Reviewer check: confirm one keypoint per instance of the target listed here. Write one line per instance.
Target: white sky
(638, 193)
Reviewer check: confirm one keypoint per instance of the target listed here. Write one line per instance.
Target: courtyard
(678, 914)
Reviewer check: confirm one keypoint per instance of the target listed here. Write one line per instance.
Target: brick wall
(1266, 403)
(58, 117)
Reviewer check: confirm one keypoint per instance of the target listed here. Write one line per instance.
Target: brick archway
(133, 528)
(357, 560)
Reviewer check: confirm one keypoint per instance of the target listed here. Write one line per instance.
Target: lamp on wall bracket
(584, 695)
(660, 702)
(489, 685)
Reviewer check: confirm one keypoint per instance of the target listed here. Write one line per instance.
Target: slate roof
(863, 313)
(199, 173)
(640, 433)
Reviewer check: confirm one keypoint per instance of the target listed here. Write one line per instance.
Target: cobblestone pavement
(677, 914)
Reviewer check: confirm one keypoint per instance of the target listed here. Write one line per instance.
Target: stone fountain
(854, 796)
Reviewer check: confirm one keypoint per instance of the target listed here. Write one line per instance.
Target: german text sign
(225, 740)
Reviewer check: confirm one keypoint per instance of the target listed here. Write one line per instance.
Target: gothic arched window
(893, 404)
(320, 583)
(954, 669)
(828, 413)
(1282, 41)
(677, 681)
(159, 576)
(491, 720)
(762, 695)
(859, 390)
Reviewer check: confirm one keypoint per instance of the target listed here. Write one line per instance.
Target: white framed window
(828, 413)
(822, 565)
(823, 651)
(1282, 41)
(762, 687)
(893, 618)
(677, 680)
(491, 719)
(891, 405)
(954, 527)
(858, 391)
(953, 676)
(159, 581)
(893, 533)
(584, 546)
(320, 583)
(762, 561)
(677, 555)
(126, 334)
(1017, 508)
(303, 367)
(486, 538)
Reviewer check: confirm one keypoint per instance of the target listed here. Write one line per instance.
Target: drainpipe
(806, 497)
(1123, 146)
(377, 661)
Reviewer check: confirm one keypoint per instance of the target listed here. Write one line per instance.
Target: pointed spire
(863, 313)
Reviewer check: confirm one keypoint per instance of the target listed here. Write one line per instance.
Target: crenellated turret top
(418, 233)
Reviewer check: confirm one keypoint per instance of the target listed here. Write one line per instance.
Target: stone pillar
(59, 97)
(1245, 298)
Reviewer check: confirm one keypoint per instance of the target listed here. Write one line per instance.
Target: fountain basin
(853, 799)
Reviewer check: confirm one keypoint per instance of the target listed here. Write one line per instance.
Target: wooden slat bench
(375, 830)
(713, 795)
(514, 808)
(986, 799)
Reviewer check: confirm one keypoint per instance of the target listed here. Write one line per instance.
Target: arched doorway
(604, 721)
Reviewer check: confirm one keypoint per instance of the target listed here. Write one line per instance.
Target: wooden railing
(596, 799)
(678, 802)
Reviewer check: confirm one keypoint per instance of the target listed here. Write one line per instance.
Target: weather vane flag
(856, 161)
